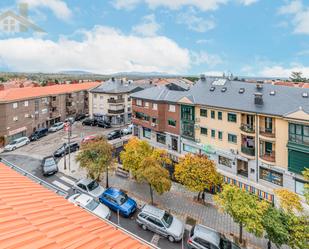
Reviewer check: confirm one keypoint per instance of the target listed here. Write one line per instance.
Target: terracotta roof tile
(33, 217)
(14, 94)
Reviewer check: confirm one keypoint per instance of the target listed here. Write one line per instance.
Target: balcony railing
(115, 111)
(267, 132)
(242, 172)
(248, 151)
(269, 156)
(247, 128)
(115, 100)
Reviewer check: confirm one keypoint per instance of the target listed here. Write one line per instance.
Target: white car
(89, 187)
(19, 142)
(92, 205)
(56, 127)
(127, 130)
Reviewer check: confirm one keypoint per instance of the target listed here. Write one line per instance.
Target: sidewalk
(179, 201)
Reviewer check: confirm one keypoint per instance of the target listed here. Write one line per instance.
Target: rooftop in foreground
(32, 216)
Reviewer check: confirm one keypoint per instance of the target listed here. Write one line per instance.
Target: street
(30, 156)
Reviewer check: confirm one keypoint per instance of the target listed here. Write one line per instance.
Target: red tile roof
(32, 217)
(15, 94)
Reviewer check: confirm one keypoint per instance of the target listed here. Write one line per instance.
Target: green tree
(245, 209)
(289, 201)
(297, 77)
(197, 173)
(96, 158)
(154, 175)
(275, 224)
(298, 227)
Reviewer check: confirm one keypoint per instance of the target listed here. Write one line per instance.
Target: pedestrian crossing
(67, 180)
(61, 185)
(64, 183)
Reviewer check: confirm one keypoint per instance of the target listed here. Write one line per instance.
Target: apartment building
(23, 110)
(258, 135)
(156, 117)
(111, 101)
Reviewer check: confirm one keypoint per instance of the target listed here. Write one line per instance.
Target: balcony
(266, 132)
(120, 111)
(115, 101)
(269, 157)
(247, 128)
(248, 150)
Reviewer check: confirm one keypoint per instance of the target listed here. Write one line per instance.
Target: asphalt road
(29, 158)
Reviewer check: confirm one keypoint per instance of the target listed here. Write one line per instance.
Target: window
(220, 115)
(187, 130)
(203, 243)
(171, 108)
(232, 138)
(232, 117)
(271, 176)
(268, 124)
(26, 103)
(154, 106)
(101, 97)
(139, 102)
(225, 161)
(129, 98)
(299, 187)
(15, 105)
(15, 118)
(154, 120)
(187, 113)
(299, 133)
(190, 149)
(204, 131)
(172, 122)
(213, 114)
(213, 133)
(147, 133)
(220, 135)
(203, 112)
(147, 104)
(95, 95)
(161, 138)
(82, 186)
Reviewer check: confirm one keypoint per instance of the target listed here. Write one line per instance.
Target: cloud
(58, 7)
(203, 57)
(247, 2)
(125, 4)
(204, 41)
(101, 50)
(148, 27)
(195, 22)
(300, 14)
(284, 72)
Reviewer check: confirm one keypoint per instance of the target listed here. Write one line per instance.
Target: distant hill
(72, 72)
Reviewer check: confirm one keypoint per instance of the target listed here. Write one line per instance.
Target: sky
(268, 38)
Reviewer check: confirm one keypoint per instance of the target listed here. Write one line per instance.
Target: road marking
(61, 185)
(155, 239)
(67, 180)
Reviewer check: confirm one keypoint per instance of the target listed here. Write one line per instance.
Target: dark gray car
(49, 166)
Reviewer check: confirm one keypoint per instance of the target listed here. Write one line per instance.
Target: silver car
(18, 142)
(202, 237)
(161, 222)
(89, 187)
(92, 205)
(56, 127)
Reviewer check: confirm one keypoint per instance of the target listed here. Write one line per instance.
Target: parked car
(38, 134)
(80, 117)
(70, 119)
(89, 139)
(65, 148)
(103, 124)
(114, 134)
(128, 130)
(49, 166)
(117, 200)
(92, 205)
(89, 187)
(56, 127)
(161, 222)
(16, 143)
(202, 237)
(90, 122)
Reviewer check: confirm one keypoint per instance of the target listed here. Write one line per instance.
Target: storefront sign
(17, 131)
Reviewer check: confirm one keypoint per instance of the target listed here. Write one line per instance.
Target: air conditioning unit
(197, 140)
(196, 126)
(153, 124)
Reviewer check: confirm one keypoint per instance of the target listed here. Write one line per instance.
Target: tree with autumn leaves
(197, 173)
(146, 164)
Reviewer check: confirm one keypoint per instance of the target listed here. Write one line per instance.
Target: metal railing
(247, 128)
(115, 111)
(34, 178)
(115, 100)
(267, 132)
(248, 151)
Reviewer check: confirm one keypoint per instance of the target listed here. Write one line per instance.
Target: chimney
(258, 98)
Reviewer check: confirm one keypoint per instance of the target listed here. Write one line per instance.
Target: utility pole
(69, 141)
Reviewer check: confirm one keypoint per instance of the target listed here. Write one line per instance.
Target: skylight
(219, 82)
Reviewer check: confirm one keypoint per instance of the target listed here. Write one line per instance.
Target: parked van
(38, 134)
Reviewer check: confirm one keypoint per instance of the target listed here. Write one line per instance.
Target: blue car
(116, 200)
